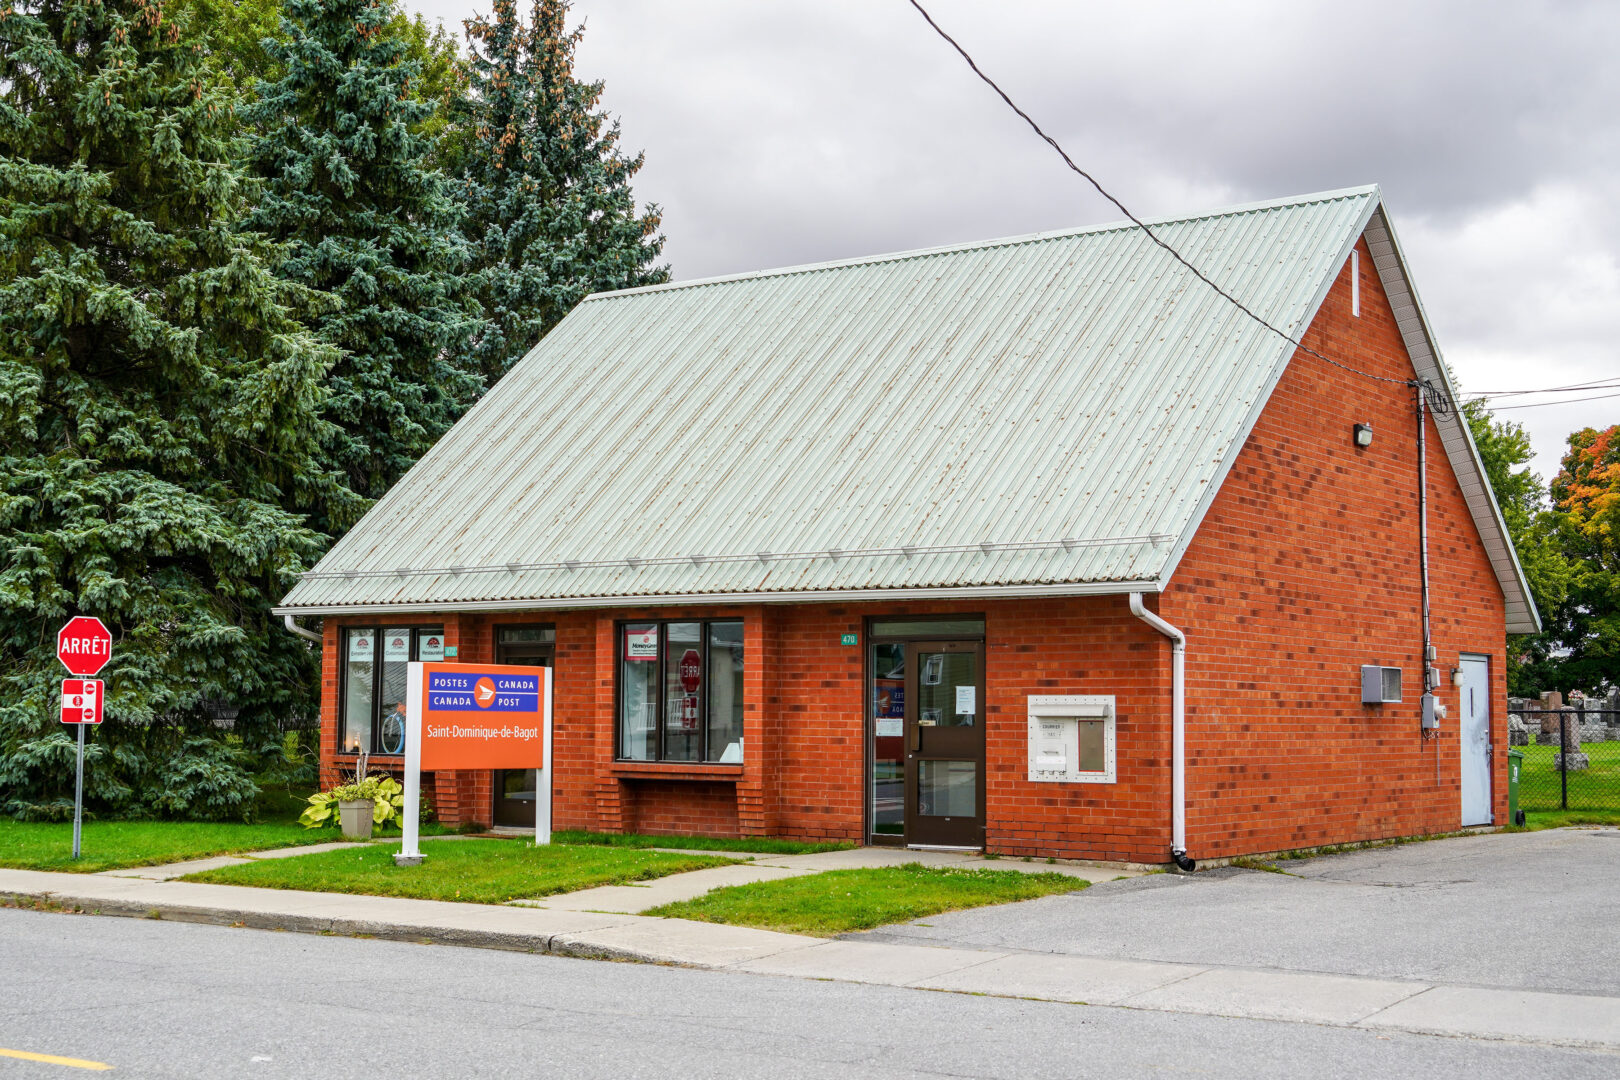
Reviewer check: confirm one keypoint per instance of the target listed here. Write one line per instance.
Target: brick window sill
(674, 770)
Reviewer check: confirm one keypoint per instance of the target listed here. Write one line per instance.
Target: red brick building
(897, 550)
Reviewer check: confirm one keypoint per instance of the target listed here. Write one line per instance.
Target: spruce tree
(348, 190)
(158, 408)
(549, 206)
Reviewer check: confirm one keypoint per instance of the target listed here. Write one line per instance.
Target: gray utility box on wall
(1380, 685)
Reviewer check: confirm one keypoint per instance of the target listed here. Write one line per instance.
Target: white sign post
(416, 711)
(542, 776)
(410, 853)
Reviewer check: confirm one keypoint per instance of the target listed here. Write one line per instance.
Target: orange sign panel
(481, 716)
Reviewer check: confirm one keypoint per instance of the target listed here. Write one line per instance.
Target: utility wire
(1565, 401)
(1429, 388)
(1596, 384)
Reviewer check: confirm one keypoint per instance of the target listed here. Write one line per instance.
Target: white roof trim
(896, 596)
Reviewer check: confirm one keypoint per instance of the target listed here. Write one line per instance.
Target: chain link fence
(1571, 757)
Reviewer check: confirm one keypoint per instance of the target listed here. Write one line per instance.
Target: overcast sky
(788, 131)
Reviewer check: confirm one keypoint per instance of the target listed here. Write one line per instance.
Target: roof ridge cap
(994, 242)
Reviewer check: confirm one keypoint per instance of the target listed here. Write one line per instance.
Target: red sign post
(84, 646)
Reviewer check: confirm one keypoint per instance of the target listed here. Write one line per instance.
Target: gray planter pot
(354, 815)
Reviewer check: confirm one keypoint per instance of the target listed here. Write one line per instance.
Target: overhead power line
(1565, 401)
(1596, 384)
(1436, 397)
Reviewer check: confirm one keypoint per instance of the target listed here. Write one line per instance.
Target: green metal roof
(1044, 413)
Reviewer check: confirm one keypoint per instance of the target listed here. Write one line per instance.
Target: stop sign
(84, 645)
(691, 671)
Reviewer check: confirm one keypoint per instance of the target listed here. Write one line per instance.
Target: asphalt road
(1521, 910)
(158, 999)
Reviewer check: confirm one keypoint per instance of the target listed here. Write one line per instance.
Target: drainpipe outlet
(294, 628)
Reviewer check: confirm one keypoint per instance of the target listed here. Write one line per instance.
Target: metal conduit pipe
(1178, 731)
(301, 632)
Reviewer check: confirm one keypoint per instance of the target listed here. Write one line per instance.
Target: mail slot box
(1071, 738)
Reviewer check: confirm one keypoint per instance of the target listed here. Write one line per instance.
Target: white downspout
(301, 632)
(1178, 730)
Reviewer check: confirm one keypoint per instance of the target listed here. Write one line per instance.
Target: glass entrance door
(945, 744)
(927, 742)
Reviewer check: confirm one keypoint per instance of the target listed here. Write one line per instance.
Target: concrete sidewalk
(1336, 1000)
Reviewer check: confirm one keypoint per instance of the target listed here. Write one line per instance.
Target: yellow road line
(52, 1059)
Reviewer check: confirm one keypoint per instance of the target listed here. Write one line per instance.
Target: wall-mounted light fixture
(1363, 435)
(1457, 677)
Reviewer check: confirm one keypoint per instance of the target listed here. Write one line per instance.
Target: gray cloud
(788, 132)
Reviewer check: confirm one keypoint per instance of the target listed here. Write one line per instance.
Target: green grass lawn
(108, 845)
(1558, 819)
(113, 845)
(843, 900)
(473, 871)
(760, 844)
(1594, 788)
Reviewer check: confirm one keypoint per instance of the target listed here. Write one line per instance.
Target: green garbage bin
(1515, 759)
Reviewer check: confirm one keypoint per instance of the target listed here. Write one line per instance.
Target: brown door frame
(943, 743)
(522, 653)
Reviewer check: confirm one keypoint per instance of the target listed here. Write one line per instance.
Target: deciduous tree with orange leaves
(1585, 630)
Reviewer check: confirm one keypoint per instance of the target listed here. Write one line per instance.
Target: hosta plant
(386, 795)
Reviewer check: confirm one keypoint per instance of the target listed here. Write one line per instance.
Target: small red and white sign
(84, 645)
(691, 671)
(641, 644)
(81, 701)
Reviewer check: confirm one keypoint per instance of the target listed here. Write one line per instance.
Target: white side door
(1474, 734)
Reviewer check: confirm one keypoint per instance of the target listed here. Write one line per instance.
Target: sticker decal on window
(641, 644)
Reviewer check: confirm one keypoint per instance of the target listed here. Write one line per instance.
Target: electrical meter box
(1432, 712)
(1071, 738)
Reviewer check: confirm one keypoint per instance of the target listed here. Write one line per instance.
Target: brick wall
(1307, 567)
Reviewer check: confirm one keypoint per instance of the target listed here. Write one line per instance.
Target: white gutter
(1178, 730)
(300, 631)
(798, 596)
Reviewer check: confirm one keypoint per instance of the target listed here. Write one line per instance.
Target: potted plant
(375, 800)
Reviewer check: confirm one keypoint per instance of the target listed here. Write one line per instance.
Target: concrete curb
(292, 923)
(1362, 1003)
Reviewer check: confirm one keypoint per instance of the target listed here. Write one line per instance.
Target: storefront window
(374, 680)
(681, 691)
(358, 697)
(725, 682)
(639, 658)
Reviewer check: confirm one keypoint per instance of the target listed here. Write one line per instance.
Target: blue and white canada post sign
(476, 716)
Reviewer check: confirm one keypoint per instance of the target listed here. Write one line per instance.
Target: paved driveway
(1527, 910)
